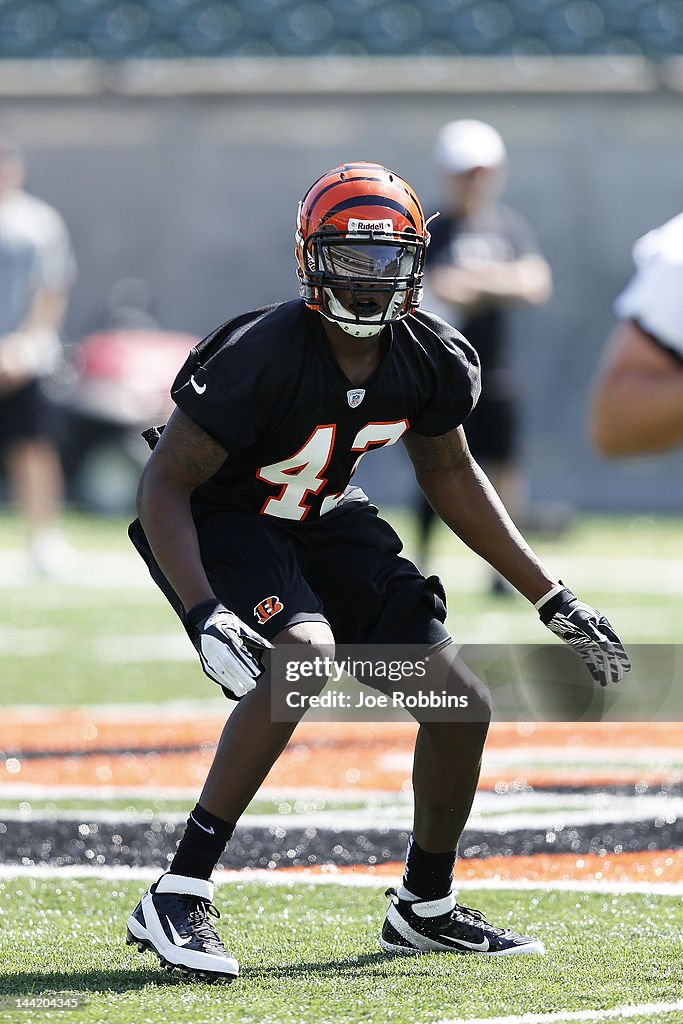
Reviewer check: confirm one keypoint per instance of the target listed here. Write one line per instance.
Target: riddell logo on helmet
(265, 609)
(385, 226)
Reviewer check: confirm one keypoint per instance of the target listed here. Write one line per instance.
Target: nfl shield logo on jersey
(355, 397)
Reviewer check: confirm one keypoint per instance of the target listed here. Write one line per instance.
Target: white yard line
(647, 574)
(121, 568)
(579, 755)
(142, 647)
(39, 791)
(388, 817)
(174, 710)
(29, 642)
(91, 570)
(558, 1016)
(497, 812)
(486, 801)
(331, 876)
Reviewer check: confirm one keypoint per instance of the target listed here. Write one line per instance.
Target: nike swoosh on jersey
(211, 830)
(199, 388)
(480, 947)
(174, 935)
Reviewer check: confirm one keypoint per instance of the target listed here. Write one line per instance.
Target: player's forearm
(48, 310)
(454, 286)
(636, 413)
(166, 518)
(468, 504)
(527, 280)
(34, 345)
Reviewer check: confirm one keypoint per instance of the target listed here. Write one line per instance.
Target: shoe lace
(468, 914)
(199, 913)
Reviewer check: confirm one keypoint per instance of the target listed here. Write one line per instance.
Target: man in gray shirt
(37, 269)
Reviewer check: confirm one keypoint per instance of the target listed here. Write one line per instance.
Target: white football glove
(229, 650)
(587, 631)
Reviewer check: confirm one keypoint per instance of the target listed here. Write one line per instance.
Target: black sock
(428, 875)
(202, 844)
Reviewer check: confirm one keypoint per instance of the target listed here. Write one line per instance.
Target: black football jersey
(266, 386)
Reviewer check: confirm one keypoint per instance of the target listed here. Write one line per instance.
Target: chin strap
(361, 331)
(369, 328)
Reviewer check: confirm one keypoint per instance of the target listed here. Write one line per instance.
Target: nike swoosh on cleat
(174, 934)
(199, 388)
(211, 830)
(479, 947)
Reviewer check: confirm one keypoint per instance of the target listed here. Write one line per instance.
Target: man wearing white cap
(482, 260)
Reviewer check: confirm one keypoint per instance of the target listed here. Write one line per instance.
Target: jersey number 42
(303, 473)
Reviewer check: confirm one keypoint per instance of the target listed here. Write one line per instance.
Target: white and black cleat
(443, 926)
(173, 920)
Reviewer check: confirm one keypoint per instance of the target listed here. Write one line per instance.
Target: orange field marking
(75, 729)
(84, 729)
(665, 867)
(331, 755)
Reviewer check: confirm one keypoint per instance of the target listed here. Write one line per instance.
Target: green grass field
(309, 955)
(108, 635)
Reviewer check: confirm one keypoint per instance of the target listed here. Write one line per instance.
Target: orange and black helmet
(361, 239)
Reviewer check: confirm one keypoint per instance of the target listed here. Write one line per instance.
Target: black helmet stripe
(390, 204)
(348, 181)
(336, 184)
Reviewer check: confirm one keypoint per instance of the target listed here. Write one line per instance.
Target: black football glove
(588, 632)
(229, 650)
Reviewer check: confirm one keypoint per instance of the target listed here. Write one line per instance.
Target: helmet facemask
(363, 280)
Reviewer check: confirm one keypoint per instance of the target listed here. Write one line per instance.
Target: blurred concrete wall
(198, 195)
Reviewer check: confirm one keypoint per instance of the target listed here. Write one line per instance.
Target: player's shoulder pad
(230, 332)
(259, 329)
(451, 359)
(662, 244)
(437, 334)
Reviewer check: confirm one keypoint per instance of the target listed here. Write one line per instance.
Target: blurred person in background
(482, 260)
(637, 404)
(128, 307)
(36, 271)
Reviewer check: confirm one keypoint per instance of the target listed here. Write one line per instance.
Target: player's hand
(588, 632)
(229, 650)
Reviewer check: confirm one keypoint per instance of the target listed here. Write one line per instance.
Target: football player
(249, 525)
(637, 403)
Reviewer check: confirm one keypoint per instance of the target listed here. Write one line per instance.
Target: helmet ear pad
(308, 291)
